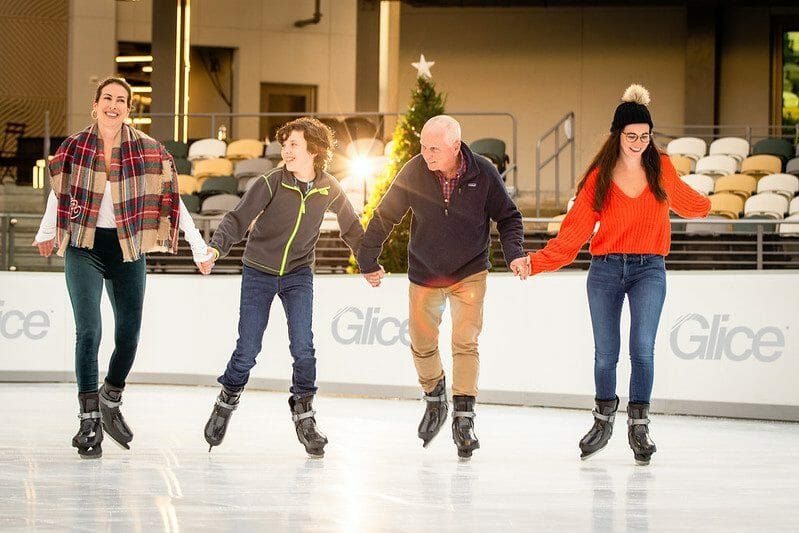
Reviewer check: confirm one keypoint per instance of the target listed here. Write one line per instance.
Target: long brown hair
(605, 161)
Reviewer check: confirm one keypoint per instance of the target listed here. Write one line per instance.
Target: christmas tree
(425, 104)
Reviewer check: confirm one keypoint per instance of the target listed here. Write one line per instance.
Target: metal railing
(566, 126)
(709, 132)
(753, 244)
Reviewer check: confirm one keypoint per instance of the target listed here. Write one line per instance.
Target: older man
(453, 195)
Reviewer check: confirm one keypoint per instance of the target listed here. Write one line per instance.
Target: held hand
(45, 247)
(521, 267)
(206, 266)
(374, 278)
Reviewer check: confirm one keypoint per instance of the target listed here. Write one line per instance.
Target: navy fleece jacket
(446, 244)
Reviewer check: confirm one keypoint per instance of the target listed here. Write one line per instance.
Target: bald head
(445, 127)
(441, 144)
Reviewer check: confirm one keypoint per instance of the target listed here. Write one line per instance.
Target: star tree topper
(423, 67)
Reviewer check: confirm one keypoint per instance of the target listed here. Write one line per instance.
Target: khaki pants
(426, 308)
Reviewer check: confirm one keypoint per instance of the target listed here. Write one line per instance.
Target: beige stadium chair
(793, 208)
(244, 149)
(187, 184)
(219, 203)
(272, 152)
(791, 230)
(701, 183)
(761, 165)
(734, 147)
(766, 205)
(554, 227)
(716, 165)
(739, 184)
(784, 184)
(727, 205)
(205, 148)
(682, 164)
(253, 167)
(218, 166)
(691, 147)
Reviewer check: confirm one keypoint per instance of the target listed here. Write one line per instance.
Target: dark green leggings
(86, 272)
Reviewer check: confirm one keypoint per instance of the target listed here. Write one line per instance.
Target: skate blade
(315, 456)
(642, 462)
(590, 455)
(120, 444)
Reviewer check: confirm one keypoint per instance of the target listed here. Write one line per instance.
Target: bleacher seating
(766, 205)
(701, 183)
(734, 147)
(691, 147)
(727, 205)
(716, 165)
(785, 184)
(205, 148)
(761, 165)
(738, 184)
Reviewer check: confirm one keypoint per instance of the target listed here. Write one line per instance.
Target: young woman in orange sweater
(628, 188)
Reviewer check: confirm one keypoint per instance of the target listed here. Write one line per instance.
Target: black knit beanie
(632, 109)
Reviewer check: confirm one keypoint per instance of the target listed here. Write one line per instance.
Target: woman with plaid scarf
(115, 198)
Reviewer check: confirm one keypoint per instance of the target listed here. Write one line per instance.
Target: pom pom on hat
(633, 108)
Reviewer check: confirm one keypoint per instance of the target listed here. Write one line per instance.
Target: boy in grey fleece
(287, 206)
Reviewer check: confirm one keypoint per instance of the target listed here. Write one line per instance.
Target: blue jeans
(643, 279)
(258, 289)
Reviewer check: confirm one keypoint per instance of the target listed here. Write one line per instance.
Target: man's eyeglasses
(632, 137)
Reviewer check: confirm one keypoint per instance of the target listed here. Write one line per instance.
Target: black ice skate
(638, 432)
(113, 422)
(598, 436)
(463, 425)
(302, 414)
(90, 434)
(435, 413)
(215, 428)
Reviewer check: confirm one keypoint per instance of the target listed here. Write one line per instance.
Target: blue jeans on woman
(642, 277)
(258, 289)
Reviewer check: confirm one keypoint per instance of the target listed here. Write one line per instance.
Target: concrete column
(702, 52)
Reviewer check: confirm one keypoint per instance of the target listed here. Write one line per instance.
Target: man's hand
(374, 277)
(45, 247)
(521, 267)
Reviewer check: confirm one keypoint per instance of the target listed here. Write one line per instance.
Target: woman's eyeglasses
(632, 137)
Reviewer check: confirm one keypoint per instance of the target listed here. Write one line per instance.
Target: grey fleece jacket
(287, 221)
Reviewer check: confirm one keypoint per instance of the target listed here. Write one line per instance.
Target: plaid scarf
(145, 193)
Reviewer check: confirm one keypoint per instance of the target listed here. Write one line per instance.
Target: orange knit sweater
(626, 225)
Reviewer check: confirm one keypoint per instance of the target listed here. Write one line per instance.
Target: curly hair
(319, 137)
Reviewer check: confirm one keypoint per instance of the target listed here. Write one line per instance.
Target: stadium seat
(734, 147)
(761, 165)
(791, 230)
(682, 164)
(793, 207)
(739, 184)
(219, 204)
(766, 205)
(187, 184)
(272, 152)
(692, 147)
(701, 183)
(248, 168)
(494, 150)
(178, 149)
(727, 205)
(182, 166)
(244, 149)
(205, 148)
(716, 165)
(217, 166)
(191, 202)
(774, 146)
(219, 185)
(784, 184)
(792, 166)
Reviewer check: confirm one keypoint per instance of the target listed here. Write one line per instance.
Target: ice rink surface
(708, 475)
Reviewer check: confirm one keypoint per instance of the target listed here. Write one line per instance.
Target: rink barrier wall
(727, 344)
